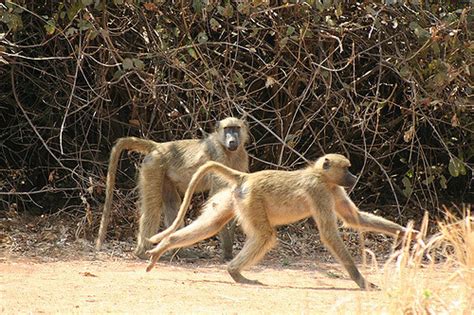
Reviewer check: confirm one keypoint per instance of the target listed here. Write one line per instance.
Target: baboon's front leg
(327, 225)
(351, 215)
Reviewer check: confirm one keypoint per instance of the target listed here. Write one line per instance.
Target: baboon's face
(232, 137)
(335, 169)
(232, 133)
(341, 176)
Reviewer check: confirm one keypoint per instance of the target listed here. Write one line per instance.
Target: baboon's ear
(244, 120)
(326, 164)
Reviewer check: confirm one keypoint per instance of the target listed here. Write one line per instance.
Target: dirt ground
(123, 286)
(46, 268)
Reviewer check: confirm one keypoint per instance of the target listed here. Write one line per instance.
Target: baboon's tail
(229, 174)
(128, 143)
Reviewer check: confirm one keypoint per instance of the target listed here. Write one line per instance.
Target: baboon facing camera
(266, 199)
(166, 172)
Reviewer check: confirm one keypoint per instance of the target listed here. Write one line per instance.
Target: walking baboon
(166, 171)
(265, 199)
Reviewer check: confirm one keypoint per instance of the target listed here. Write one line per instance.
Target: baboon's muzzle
(232, 145)
(349, 180)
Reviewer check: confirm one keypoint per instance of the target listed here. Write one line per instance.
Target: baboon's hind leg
(226, 236)
(171, 204)
(171, 201)
(261, 237)
(150, 185)
(213, 218)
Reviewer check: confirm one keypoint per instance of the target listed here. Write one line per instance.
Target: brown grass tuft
(436, 276)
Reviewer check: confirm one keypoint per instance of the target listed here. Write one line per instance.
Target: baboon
(266, 199)
(166, 171)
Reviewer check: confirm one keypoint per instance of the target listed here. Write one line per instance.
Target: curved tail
(128, 143)
(229, 174)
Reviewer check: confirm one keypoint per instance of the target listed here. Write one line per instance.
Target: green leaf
(408, 190)
(419, 31)
(462, 169)
(209, 85)
(440, 80)
(443, 182)
(202, 38)
(87, 2)
(214, 72)
(84, 25)
(214, 24)
(192, 53)
(413, 25)
(197, 6)
(329, 21)
(427, 294)
(127, 64)
(228, 11)
(453, 170)
(99, 5)
(370, 10)
(239, 79)
(308, 33)
(93, 34)
(290, 30)
(428, 180)
(405, 72)
(456, 167)
(138, 64)
(72, 11)
(339, 10)
(50, 27)
(71, 31)
(283, 42)
(117, 74)
(244, 8)
(436, 49)
(13, 21)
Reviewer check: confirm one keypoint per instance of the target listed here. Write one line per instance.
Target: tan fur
(166, 171)
(265, 199)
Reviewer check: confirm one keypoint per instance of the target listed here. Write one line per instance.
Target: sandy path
(123, 286)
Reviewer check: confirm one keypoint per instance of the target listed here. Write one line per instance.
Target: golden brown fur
(265, 199)
(166, 171)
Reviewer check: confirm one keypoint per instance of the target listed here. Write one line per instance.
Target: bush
(389, 86)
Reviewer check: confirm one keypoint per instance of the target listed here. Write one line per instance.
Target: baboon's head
(232, 133)
(334, 168)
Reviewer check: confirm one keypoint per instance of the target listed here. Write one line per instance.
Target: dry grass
(418, 285)
(435, 276)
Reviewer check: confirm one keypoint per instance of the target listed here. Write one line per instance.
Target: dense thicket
(389, 86)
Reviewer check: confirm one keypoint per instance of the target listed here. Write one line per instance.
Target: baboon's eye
(232, 129)
(326, 164)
